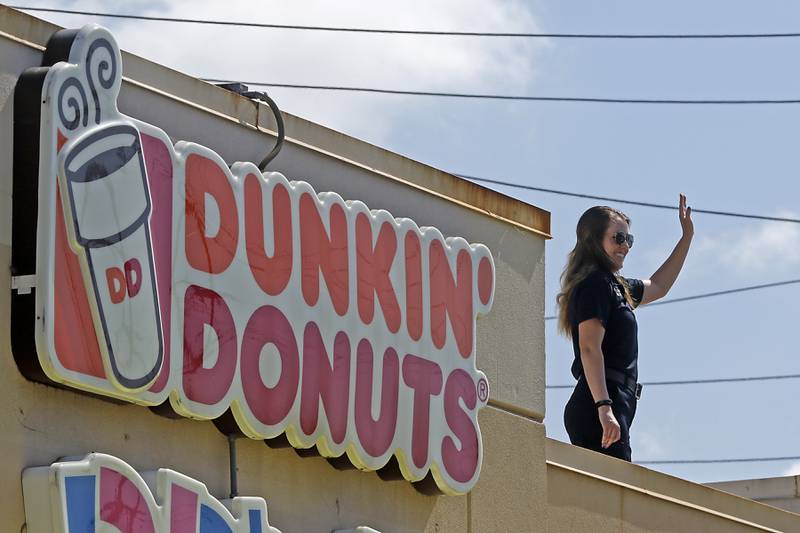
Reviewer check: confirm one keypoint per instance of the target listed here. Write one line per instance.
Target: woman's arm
(662, 280)
(590, 333)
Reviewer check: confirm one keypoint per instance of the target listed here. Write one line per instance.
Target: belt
(623, 380)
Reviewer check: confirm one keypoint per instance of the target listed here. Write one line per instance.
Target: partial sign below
(100, 493)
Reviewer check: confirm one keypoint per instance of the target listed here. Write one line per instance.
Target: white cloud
(463, 64)
(648, 444)
(765, 248)
(792, 470)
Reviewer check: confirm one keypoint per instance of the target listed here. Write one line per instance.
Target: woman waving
(596, 311)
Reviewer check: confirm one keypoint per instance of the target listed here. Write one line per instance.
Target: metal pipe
(232, 465)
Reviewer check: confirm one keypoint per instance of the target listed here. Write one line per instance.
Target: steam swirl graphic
(105, 73)
(101, 71)
(70, 110)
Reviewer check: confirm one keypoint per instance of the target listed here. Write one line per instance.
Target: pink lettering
(451, 297)
(321, 253)
(183, 511)
(425, 377)
(413, 254)
(326, 381)
(376, 435)
(209, 253)
(461, 464)
(122, 505)
(269, 326)
(271, 273)
(372, 272)
(205, 307)
(117, 287)
(133, 276)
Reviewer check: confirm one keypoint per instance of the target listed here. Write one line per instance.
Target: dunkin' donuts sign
(162, 274)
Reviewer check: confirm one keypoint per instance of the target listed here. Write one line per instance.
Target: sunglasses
(621, 237)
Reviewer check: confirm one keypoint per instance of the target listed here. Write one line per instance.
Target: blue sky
(733, 158)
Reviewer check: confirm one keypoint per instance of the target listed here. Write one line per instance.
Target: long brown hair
(588, 256)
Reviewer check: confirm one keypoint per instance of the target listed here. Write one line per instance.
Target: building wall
(305, 494)
(591, 492)
(781, 492)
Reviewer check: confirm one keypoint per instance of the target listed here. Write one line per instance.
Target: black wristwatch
(602, 403)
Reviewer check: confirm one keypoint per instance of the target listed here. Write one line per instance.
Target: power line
(701, 381)
(530, 98)
(630, 36)
(711, 294)
(711, 461)
(629, 202)
(524, 98)
(720, 293)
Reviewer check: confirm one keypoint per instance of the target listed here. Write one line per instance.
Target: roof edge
(665, 487)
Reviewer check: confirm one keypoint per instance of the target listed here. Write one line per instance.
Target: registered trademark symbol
(483, 390)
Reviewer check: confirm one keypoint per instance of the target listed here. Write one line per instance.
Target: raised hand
(685, 217)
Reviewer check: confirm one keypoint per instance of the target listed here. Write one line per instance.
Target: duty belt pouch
(624, 381)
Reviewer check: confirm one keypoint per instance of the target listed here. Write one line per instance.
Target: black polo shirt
(601, 296)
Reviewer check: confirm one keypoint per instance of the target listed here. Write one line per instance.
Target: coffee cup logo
(104, 190)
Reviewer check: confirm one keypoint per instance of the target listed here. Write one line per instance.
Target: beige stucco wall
(591, 492)
(42, 423)
(782, 492)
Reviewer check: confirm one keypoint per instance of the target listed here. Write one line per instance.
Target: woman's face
(616, 252)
